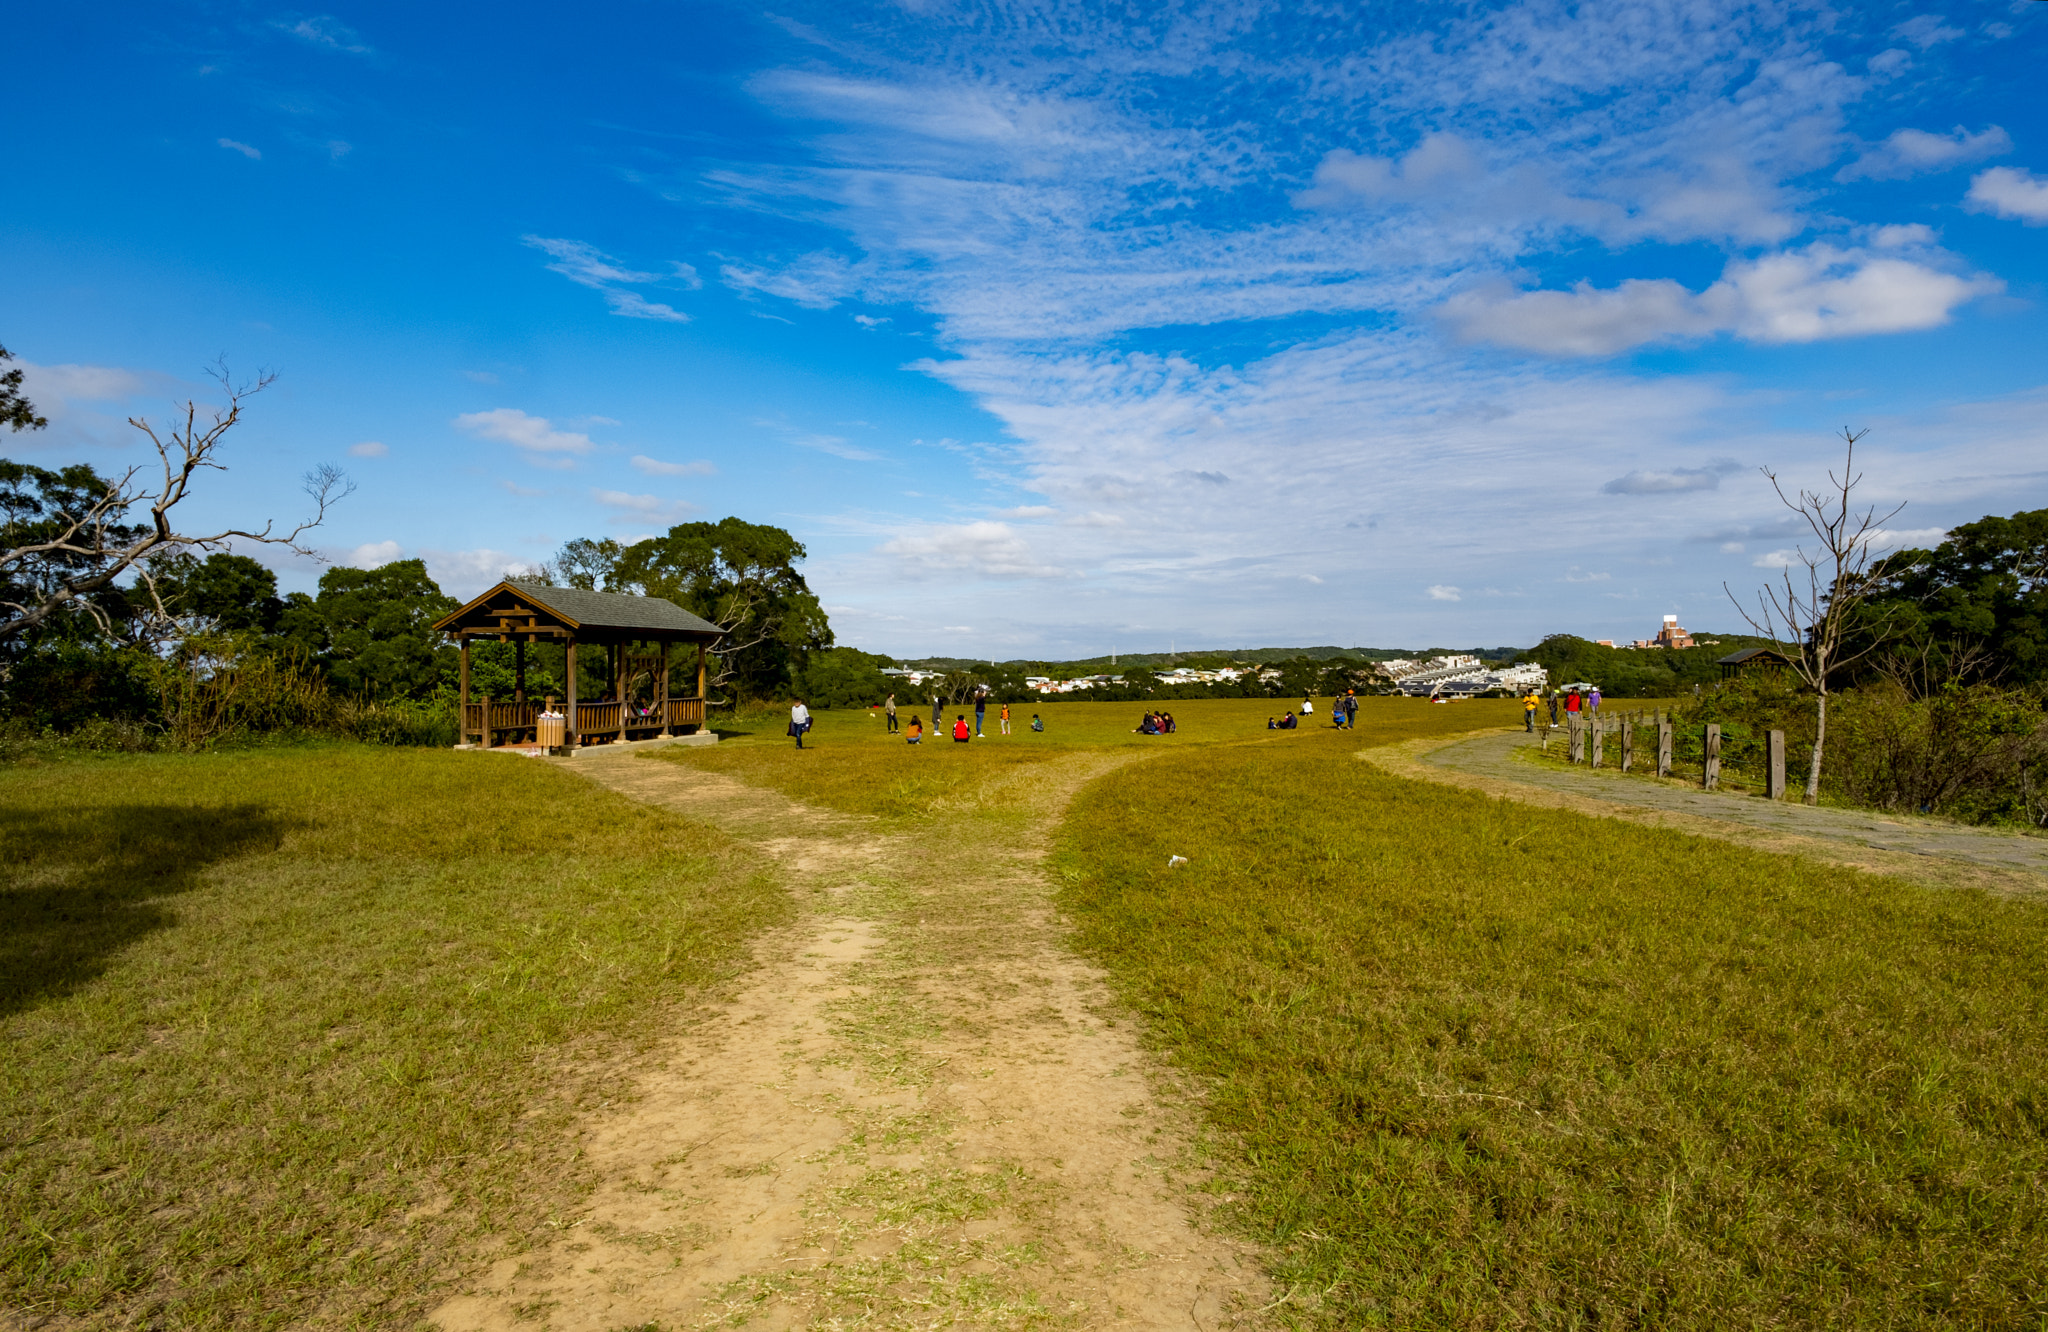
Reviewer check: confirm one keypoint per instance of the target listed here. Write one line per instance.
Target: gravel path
(1494, 756)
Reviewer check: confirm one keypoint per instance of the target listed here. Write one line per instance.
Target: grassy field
(1477, 1065)
(279, 1027)
(284, 1031)
(851, 763)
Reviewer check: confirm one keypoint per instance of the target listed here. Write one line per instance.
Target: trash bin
(551, 732)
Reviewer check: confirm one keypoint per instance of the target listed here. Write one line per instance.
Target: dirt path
(921, 1111)
(1928, 851)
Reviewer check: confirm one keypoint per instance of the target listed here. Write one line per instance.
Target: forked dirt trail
(920, 1111)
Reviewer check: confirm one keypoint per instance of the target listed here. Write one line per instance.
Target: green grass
(850, 763)
(280, 1027)
(1475, 1065)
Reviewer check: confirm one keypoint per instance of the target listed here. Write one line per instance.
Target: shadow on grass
(80, 886)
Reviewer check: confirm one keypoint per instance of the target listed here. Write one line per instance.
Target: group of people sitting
(1287, 722)
(1157, 723)
(913, 730)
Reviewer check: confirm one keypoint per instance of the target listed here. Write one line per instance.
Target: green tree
(226, 592)
(741, 577)
(1975, 607)
(371, 629)
(16, 412)
(843, 677)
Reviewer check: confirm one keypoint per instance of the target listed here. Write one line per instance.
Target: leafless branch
(183, 451)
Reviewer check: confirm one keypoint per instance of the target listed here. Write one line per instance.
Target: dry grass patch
(280, 1026)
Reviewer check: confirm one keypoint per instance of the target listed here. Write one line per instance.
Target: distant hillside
(1201, 657)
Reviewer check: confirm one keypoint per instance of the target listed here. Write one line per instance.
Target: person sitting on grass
(1037, 724)
(1166, 724)
(962, 732)
(1272, 725)
(1288, 721)
(914, 732)
(1149, 726)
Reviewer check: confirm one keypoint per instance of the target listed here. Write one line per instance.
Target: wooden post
(1663, 745)
(1774, 788)
(1599, 742)
(1628, 742)
(1575, 736)
(462, 712)
(484, 741)
(571, 736)
(667, 722)
(700, 682)
(1713, 759)
(519, 670)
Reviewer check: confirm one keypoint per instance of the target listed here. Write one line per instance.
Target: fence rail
(489, 724)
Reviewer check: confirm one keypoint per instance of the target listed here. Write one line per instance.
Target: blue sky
(1216, 324)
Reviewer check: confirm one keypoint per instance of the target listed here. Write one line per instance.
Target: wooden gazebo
(1752, 659)
(636, 635)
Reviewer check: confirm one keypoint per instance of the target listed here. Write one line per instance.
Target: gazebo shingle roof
(615, 610)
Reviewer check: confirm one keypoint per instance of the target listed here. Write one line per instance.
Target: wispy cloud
(369, 448)
(237, 146)
(1674, 481)
(1444, 592)
(1908, 152)
(656, 467)
(639, 510)
(587, 266)
(980, 550)
(324, 30)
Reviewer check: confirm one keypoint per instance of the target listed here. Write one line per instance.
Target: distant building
(1604, 642)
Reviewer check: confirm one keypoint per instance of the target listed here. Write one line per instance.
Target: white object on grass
(1171, 861)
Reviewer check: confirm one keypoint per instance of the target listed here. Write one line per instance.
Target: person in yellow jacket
(1530, 702)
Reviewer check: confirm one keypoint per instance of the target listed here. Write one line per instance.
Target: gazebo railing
(490, 724)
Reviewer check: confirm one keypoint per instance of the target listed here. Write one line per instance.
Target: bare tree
(74, 540)
(1821, 590)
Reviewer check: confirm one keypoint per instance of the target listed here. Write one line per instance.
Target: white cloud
(981, 550)
(633, 305)
(369, 448)
(534, 436)
(815, 281)
(1908, 152)
(870, 321)
(466, 573)
(326, 31)
(338, 149)
(1925, 31)
(587, 266)
(640, 509)
(1791, 296)
(584, 264)
(1444, 592)
(80, 383)
(235, 145)
(2011, 193)
(515, 488)
(480, 376)
(656, 467)
(374, 555)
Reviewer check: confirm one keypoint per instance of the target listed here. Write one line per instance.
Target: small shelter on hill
(636, 635)
(1751, 659)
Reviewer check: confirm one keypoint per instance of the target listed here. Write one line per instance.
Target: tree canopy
(1977, 603)
(372, 629)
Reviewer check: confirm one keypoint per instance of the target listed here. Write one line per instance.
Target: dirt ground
(919, 1111)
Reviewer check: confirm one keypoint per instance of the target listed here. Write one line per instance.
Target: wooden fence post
(1774, 788)
(1663, 744)
(1599, 743)
(1574, 737)
(484, 741)
(462, 711)
(1713, 759)
(1628, 743)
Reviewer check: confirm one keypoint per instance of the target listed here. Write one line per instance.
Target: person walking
(799, 721)
(980, 708)
(938, 710)
(1530, 702)
(1573, 704)
(1004, 720)
(890, 708)
(1553, 709)
(1596, 698)
(1351, 709)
